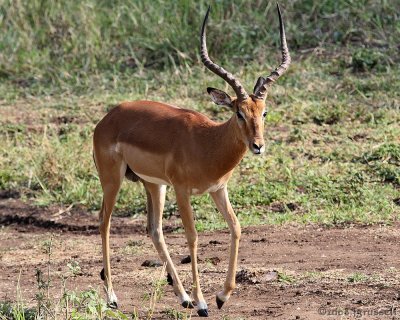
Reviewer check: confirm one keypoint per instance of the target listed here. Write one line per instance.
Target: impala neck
(231, 147)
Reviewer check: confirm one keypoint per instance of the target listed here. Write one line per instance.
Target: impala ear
(220, 97)
(259, 83)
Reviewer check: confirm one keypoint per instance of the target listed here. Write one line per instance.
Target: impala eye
(264, 114)
(239, 115)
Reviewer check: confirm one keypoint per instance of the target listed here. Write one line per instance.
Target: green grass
(73, 305)
(357, 277)
(332, 129)
(332, 170)
(48, 46)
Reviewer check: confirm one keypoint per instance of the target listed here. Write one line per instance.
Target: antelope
(162, 145)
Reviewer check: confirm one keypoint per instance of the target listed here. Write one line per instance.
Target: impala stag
(161, 145)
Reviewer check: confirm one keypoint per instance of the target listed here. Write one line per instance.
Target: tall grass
(54, 43)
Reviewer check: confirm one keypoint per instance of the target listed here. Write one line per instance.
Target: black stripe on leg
(170, 280)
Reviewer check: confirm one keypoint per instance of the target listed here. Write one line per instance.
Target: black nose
(257, 147)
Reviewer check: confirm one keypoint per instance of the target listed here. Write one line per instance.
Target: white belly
(215, 187)
(152, 179)
(211, 188)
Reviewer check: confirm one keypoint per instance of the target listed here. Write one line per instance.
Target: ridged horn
(227, 76)
(261, 88)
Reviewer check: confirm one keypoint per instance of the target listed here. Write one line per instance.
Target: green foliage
(387, 152)
(88, 305)
(74, 268)
(384, 162)
(10, 311)
(51, 44)
(171, 313)
(368, 59)
(330, 115)
(285, 278)
(82, 305)
(357, 277)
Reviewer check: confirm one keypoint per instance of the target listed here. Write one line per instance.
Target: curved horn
(261, 88)
(227, 76)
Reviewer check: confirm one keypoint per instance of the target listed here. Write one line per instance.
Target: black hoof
(220, 303)
(113, 305)
(102, 276)
(187, 304)
(202, 312)
(170, 280)
(186, 259)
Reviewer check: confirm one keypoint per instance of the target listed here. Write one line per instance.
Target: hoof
(113, 305)
(186, 259)
(187, 304)
(151, 263)
(220, 303)
(170, 280)
(202, 312)
(102, 276)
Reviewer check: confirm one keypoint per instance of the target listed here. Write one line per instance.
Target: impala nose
(258, 148)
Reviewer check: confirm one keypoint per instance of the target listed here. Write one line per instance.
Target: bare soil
(285, 272)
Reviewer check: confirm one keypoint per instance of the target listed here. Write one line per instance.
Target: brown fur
(195, 150)
(161, 144)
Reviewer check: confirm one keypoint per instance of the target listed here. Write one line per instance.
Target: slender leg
(223, 204)
(154, 219)
(149, 208)
(185, 209)
(111, 183)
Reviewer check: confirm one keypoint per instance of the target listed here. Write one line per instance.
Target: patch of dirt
(16, 119)
(289, 272)
(65, 119)
(9, 194)
(246, 276)
(283, 207)
(24, 219)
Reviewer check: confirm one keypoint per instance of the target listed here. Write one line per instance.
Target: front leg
(186, 213)
(223, 204)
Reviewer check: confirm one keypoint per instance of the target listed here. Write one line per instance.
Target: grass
(332, 127)
(49, 45)
(285, 278)
(331, 170)
(171, 313)
(70, 304)
(73, 305)
(357, 277)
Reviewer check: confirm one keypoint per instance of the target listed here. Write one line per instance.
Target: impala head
(250, 110)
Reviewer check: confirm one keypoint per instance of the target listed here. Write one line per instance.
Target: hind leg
(155, 206)
(111, 173)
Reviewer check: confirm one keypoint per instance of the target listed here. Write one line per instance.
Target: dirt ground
(289, 272)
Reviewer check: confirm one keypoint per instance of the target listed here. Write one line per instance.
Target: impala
(162, 145)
